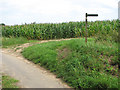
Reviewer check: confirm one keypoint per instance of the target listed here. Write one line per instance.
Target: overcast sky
(55, 11)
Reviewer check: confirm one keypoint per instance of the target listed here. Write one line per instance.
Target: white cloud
(110, 3)
(41, 6)
(19, 11)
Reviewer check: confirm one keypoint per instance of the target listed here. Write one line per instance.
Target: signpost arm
(86, 24)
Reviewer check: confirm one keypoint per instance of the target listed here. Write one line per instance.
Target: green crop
(60, 30)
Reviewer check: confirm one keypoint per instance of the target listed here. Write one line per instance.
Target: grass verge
(8, 82)
(81, 65)
(6, 42)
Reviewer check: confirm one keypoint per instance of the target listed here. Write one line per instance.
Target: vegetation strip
(60, 30)
(92, 65)
(8, 82)
(6, 42)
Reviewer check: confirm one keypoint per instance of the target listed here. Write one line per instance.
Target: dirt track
(29, 74)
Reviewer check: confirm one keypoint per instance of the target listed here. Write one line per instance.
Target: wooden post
(86, 27)
(86, 24)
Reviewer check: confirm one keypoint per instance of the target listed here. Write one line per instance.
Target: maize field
(60, 30)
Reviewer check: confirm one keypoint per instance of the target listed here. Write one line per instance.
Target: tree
(2, 24)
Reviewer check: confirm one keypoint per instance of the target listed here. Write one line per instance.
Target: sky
(119, 10)
(19, 12)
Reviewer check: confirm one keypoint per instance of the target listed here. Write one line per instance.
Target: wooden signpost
(86, 15)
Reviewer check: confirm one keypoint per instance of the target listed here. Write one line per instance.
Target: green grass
(0, 81)
(6, 42)
(8, 82)
(81, 65)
